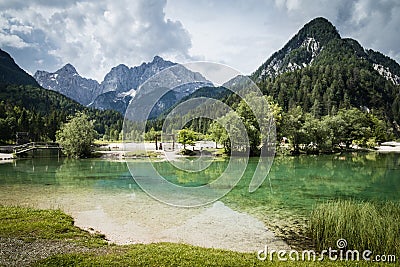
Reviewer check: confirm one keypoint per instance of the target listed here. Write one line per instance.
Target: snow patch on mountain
(68, 82)
(287, 63)
(312, 46)
(387, 74)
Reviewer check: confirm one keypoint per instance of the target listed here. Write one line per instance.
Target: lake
(101, 194)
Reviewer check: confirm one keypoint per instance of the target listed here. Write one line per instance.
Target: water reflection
(298, 183)
(294, 184)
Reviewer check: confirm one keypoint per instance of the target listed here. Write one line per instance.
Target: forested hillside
(325, 78)
(345, 82)
(40, 112)
(10, 72)
(326, 93)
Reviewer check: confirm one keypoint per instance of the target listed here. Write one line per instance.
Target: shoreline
(216, 226)
(388, 147)
(116, 151)
(133, 217)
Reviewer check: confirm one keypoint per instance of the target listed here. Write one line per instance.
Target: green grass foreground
(31, 224)
(364, 225)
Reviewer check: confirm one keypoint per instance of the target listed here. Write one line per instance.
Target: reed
(371, 226)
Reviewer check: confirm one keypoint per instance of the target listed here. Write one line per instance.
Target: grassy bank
(364, 225)
(31, 226)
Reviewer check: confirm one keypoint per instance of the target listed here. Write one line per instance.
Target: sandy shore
(389, 147)
(216, 226)
(131, 216)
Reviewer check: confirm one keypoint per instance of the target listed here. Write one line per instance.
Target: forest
(317, 109)
(40, 112)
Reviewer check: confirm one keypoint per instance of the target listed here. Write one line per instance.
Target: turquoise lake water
(293, 186)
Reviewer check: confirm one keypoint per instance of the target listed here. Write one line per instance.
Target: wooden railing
(35, 145)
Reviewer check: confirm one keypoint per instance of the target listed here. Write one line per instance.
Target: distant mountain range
(120, 85)
(317, 70)
(27, 107)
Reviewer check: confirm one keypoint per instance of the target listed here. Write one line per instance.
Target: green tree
(336, 130)
(251, 123)
(292, 128)
(151, 135)
(76, 136)
(216, 132)
(315, 133)
(356, 125)
(187, 137)
(233, 138)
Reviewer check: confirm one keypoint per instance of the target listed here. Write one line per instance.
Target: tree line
(42, 112)
(297, 130)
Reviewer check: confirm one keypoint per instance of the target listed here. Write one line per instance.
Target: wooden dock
(25, 148)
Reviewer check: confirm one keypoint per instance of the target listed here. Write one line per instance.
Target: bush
(76, 137)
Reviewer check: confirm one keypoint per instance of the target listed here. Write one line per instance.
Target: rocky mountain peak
(301, 50)
(68, 82)
(320, 29)
(117, 79)
(121, 68)
(121, 84)
(314, 43)
(157, 59)
(67, 69)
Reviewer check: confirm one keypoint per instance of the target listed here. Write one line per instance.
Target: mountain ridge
(304, 48)
(11, 72)
(27, 107)
(68, 82)
(309, 40)
(116, 90)
(340, 75)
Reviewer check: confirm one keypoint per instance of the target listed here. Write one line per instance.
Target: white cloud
(95, 36)
(12, 40)
(288, 4)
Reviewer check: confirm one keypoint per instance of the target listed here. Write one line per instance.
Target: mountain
(11, 73)
(301, 50)
(176, 82)
(307, 45)
(322, 72)
(26, 107)
(68, 82)
(119, 86)
(123, 79)
(386, 66)
(113, 100)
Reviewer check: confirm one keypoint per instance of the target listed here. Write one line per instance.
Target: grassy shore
(44, 227)
(364, 225)
(30, 224)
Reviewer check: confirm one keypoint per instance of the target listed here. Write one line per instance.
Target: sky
(96, 35)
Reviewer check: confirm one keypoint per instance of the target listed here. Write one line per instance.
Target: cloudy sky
(97, 35)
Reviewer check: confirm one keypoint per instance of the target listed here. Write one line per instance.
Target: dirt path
(16, 252)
